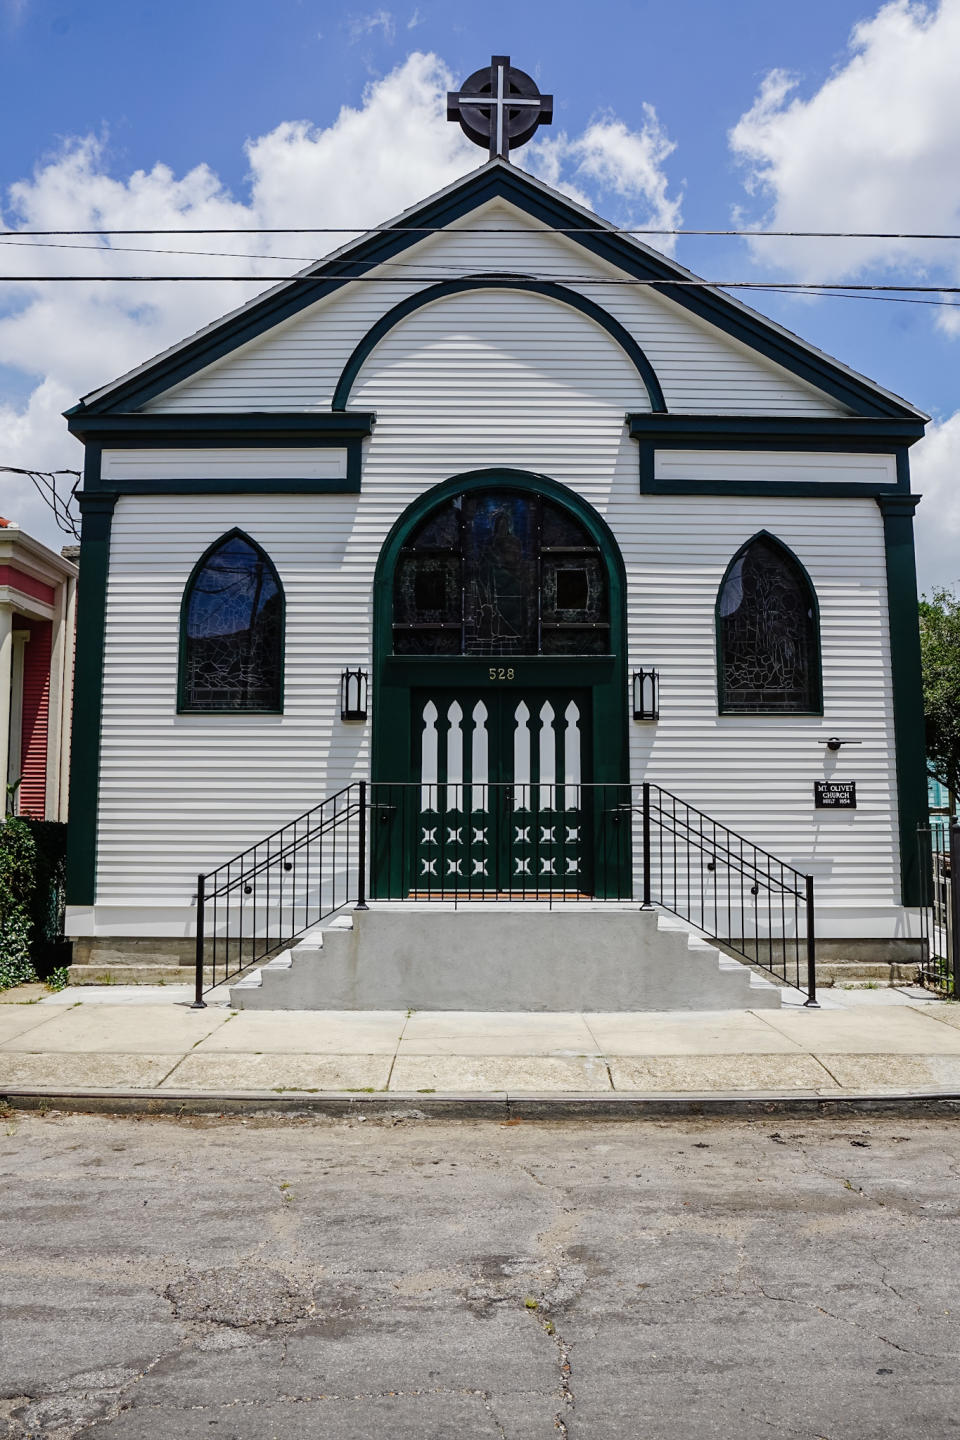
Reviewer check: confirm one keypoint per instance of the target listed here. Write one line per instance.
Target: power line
(490, 230)
(45, 484)
(495, 281)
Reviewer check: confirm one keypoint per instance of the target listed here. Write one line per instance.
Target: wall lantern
(646, 695)
(353, 695)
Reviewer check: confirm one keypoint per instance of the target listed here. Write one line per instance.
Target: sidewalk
(146, 1042)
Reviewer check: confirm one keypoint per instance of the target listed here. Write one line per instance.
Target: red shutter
(32, 795)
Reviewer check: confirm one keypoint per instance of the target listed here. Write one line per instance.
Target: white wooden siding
(297, 364)
(279, 463)
(180, 794)
(773, 465)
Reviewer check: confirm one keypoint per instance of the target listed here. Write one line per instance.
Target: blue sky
(185, 85)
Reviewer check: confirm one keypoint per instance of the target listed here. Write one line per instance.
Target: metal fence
(939, 847)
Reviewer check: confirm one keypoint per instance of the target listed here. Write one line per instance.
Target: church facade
(504, 462)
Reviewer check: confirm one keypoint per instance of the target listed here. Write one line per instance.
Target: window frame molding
(723, 707)
(235, 532)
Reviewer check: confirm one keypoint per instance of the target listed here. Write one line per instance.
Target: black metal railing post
(811, 999)
(198, 1002)
(362, 850)
(647, 904)
(953, 954)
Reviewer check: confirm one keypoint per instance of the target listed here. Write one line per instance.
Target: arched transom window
(232, 630)
(500, 572)
(768, 633)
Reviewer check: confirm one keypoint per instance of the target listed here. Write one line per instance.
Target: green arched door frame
(605, 676)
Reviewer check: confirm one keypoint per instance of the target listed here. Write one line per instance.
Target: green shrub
(32, 863)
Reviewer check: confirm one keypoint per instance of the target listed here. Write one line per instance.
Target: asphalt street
(400, 1277)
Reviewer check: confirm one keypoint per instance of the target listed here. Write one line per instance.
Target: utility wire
(491, 230)
(45, 483)
(495, 281)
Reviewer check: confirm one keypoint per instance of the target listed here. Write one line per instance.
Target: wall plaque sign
(835, 794)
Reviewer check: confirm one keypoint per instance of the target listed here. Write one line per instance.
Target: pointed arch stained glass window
(232, 630)
(768, 633)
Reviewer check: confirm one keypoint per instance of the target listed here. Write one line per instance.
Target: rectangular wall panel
(281, 463)
(775, 466)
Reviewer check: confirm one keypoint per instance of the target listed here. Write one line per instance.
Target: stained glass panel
(233, 631)
(768, 634)
(574, 590)
(500, 575)
(442, 530)
(500, 572)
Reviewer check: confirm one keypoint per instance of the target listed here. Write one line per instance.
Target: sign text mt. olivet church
(835, 794)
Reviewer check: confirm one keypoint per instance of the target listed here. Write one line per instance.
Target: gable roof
(497, 179)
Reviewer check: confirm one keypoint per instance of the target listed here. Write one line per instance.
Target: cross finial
(499, 107)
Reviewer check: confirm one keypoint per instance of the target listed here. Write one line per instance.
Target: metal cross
(500, 107)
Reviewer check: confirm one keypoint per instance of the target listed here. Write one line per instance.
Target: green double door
(499, 798)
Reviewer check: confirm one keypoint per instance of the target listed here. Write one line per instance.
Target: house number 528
(498, 672)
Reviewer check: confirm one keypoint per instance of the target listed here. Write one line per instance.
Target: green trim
(496, 181)
(722, 707)
(907, 681)
(419, 670)
(606, 676)
(777, 434)
(826, 490)
(783, 432)
(274, 427)
(182, 707)
(245, 485)
(560, 293)
(97, 513)
(279, 430)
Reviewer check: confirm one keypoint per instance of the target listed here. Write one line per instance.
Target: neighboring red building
(38, 591)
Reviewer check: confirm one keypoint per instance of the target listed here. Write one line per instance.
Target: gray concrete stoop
(524, 957)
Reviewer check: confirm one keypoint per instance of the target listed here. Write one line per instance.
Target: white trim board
(775, 466)
(282, 463)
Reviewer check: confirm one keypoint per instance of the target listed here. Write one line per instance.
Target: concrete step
(433, 956)
(131, 975)
(882, 972)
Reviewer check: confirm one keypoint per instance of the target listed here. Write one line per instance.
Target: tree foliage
(940, 649)
(32, 863)
(18, 863)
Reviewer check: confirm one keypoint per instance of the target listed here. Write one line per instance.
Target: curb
(491, 1106)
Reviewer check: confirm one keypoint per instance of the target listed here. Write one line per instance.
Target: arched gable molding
(611, 692)
(572, 298)
(811, 590)
(233, 534)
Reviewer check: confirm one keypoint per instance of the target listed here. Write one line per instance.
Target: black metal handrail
(704, 872)
(268, 895)
(939, 847)
(556, 843)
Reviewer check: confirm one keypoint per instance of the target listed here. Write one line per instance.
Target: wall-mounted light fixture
(353, 695)
(646, 695)
(835, 742)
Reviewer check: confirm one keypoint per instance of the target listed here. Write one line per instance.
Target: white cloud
(15, 11)
(370, 163)
(363, 25)
(935, 472)
(874, 148)
(624, 163)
